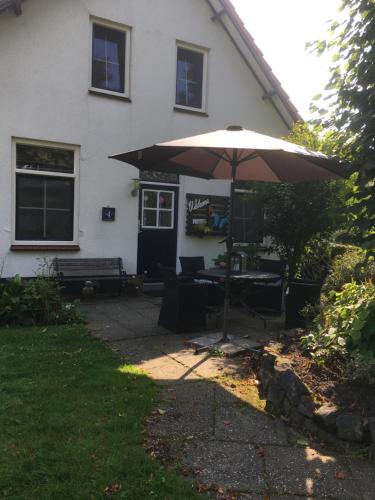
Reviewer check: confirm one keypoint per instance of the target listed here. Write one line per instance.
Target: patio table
(247, 279)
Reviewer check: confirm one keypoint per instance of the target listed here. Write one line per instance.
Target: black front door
(157, 237)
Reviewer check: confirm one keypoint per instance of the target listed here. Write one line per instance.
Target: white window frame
(75, 176)
(118, 27)
(200, 50)
(158, 209)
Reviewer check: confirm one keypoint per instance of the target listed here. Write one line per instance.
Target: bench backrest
(74, 268)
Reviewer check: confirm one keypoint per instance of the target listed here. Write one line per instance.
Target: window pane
(99, 74)
(114, 77)
(108, 59)
(189, 84)
(59, 226)
(149, 218)
(165, 200)
(30, 191)
(60, 194)
(29, 225)
(165, 219)
(44, 208)
(46, 159)
(150, 199)
(248, 219)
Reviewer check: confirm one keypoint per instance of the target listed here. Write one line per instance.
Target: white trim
(72, 147)
(153, 183)
(200, 50)
(158, 210)
(128, 40)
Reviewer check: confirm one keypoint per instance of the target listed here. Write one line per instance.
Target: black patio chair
(186, 303)
(190, 265)
(269, 296)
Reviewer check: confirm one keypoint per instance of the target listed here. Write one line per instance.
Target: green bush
(351, 265)
(36, 301)
(345, 329)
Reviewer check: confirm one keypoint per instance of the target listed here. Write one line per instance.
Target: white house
(83, 79)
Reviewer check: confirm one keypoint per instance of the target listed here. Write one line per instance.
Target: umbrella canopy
(256, 157)
(235, 154)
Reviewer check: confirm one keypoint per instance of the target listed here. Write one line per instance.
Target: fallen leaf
(202, 488)
(112, 489)
(262, 452)
(161, 412)
(340, 475)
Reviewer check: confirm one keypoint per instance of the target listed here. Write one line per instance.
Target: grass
(71, 421)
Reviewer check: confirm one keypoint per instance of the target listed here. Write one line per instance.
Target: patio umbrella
(235, 154)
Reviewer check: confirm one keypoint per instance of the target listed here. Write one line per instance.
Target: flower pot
(299, 294)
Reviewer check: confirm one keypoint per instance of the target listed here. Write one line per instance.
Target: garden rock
(291, 383)
(306, 406)
(275, 394)
(327, 415)
(266, 370)
(350, 427)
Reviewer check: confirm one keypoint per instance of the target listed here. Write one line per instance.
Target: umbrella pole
(229, 243)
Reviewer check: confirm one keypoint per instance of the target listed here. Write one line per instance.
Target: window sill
(119, 97)
(190, 111)
(45, 248)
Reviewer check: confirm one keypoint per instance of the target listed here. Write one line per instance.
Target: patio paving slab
(242, 423)
(232, 465)
(305, 471)
(212, 423)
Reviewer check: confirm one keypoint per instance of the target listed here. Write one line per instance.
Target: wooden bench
(90, 269)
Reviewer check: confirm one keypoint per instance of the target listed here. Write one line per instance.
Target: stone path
(210, 421)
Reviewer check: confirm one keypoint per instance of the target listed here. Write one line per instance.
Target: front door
(157, 237)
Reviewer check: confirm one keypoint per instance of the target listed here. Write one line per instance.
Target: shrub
(351, 265)
(13, 307)
(36, 301)
(345, 329)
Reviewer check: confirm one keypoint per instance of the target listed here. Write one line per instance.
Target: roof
(225, 13)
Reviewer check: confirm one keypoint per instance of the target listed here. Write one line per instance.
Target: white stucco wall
(44, 80)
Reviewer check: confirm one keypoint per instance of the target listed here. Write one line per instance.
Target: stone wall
(289, 397)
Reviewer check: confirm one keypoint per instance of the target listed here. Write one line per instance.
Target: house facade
(84, 79)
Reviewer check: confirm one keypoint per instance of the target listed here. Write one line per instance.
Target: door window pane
(108, 58)
(150, 218)
(150, 199)
(165, 200)
(189, 83)
(165, 219)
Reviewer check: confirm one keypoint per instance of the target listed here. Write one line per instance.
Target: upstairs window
(45, 192)
(191, 78)
(110, 59)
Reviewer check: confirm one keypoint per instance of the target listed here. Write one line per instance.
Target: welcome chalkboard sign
(206, 215)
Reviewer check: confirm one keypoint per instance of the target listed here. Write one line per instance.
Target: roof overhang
(223, 12)
(11, 5)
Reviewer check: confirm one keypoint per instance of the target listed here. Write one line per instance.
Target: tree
(350, 96)
(296, 214)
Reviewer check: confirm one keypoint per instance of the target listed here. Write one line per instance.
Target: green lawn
(71, 421)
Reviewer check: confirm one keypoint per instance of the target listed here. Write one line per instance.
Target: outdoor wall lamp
(136, 187)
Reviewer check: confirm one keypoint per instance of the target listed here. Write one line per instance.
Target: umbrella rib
(221, 157)
(249, 157)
